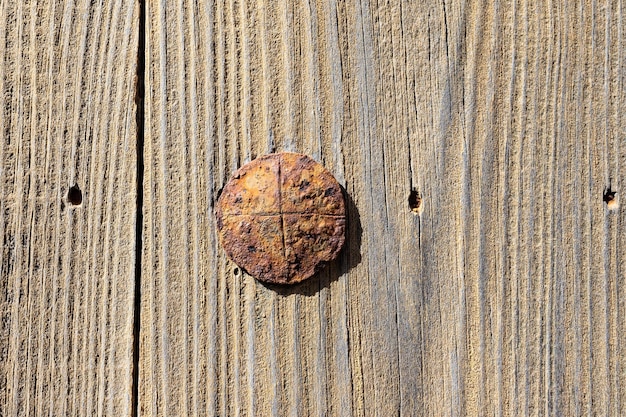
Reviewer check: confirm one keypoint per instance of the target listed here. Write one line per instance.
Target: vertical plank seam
(140, 120)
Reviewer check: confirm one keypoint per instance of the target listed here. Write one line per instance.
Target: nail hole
(610, 198)
(415, 202)
(236, 271)
(75, 196)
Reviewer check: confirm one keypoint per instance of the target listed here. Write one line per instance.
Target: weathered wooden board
(67, 116)
(505, 297)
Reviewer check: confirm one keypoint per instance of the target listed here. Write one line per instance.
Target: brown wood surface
(67, 273)
(505, 297)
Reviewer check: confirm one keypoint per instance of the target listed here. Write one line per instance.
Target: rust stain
(281, 218)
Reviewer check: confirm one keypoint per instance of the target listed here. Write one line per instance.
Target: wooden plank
(67, 90)
(502, 298)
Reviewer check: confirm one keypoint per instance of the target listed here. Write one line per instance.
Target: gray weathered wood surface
(67, 274)
(504, 298)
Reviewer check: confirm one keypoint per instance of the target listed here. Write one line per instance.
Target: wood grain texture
(504, 298)
(67, 116)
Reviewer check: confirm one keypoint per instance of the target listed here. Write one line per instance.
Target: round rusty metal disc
(281, 218)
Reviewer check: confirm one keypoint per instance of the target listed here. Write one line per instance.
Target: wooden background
(505, 297)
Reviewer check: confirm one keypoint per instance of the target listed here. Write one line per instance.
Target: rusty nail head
(281, 218)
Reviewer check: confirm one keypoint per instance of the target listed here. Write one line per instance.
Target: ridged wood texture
(67, 274)
(504, 298)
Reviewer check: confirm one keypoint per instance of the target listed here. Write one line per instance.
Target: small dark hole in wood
(415, 201)
(236, 271)
(75, 195)
(609, 196)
